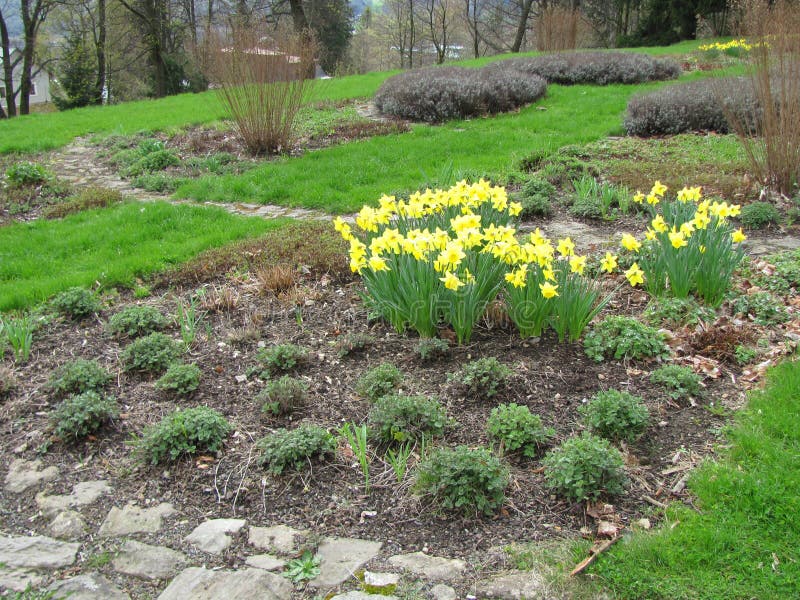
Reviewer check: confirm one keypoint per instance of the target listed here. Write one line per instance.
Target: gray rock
(68, 525)
(515, 586)
(443, 592)
(91, 586)
(268, 562)
(280, 538)
(18, 579)
(148, 562)
(340, 558)
(132, 519)
(212, 537)
(83, 493)
(362, 596)
(381, 580)
(36, 552)
(199, 583)
(435, 568)
(24, 474)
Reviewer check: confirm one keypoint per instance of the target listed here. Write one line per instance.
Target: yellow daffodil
(630, 243)
(566, 247)
(638, 197)
(659, 224)
(635, 275)
(518, 276)
(701, 220)
(738, 236)
(677, 239)
(658, 189)
(377, 264)
(687, 229)
(548, 273)
(609, 263)
(649, 235)
(548, 289)
(451, 282)
(652, 199)
(577, 264)
(514, 208)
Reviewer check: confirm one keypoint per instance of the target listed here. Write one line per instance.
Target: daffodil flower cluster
(740, 44)
(689, 247)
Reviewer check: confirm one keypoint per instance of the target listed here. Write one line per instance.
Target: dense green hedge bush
(438, 94)
(595, 68)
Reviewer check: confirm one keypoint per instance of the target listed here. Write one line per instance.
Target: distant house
(40, 81)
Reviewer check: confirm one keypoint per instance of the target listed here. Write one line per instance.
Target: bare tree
(33, 14)
(9, 64)
(439, 18)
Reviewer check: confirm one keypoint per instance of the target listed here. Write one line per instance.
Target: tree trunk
(100, 51)
(522, 24)
(411, 34)
(8, 69)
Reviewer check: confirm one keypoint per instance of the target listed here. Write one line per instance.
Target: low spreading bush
(676, 312)
(26, 173)
(78, 376)
(615, 415)
(518, 429)
(536, 197)
(762, 307)
(594, 68)
(353, 343)
(152, 353)
(293, 449)
(86, 199)
(135, 321)
(464, 479)
(686, 107)
(281, 357)
(678, 382)
(188, 431)
(481, 378)
(624, 338)
(441, 93)
(179, 379)
(76, 303)
(82, 414)
(282, 396)
(399, 418)
(379, 381)
(758, 215)
(585, 467)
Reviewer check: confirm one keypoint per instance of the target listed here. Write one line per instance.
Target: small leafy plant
(481, 378)
(187, 431)
(397, 458)
(397, 418)
(18, 331)
(764, 308)
(615, 415)
(624, 338)
(76, 303)
(585, 467)
(282, 357)
(152, 353)
(78, 376)
(189, 318)
(379, 381)
(535, 197)
(293, 449)
(353, 343)
(357, 438)
(518, 429)
(432, 348)
(82, 414)
(676, 312)
(180, 379)
(282, 396)
(26, 173)
(758, 215)
(679, 382)
(464, 479)
(135, 321)
(303, 568)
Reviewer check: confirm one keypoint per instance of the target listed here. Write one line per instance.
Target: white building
(40, 81)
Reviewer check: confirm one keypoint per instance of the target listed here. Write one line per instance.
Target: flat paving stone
(91, 586)
(133, 519)
(435, 568)
(212, 536)
(362, 596)
(36, 552)
(443, 592)
(278, 538)
(83, 494)
(514, 586)
(148, 562)
(268, 562)
(340, 558)
(380, 582)
(199, 583)
(24, 474)
(67, 525)
(17, 580)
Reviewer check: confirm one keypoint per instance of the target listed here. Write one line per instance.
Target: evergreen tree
(77, 75)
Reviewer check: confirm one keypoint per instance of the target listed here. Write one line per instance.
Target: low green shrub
(672, 313)
(187, 431)
(293, 449)
(786, 274)
(152, 353)
(679, 382)
(180, 379)
(583, 468)
(432, 348)
(758, 215)
(281, 357)
(78, 376)
(76, 303)
(625, 338)
(26, 173)
(764, 308)
(518, 429)
(615, 415)
(481, 378)
(353, 343)
(282, 396)
(463, 479)
(398, 418)
(82, 414)
(135, 321)
(158, 183)
(379, 381)
(536, 198)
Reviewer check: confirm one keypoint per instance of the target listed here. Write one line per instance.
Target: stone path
(194, 568)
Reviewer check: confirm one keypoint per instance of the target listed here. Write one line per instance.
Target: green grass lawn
(110, 246)
(744, 539)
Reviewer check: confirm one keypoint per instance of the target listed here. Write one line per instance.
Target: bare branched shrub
(262, 83)
(440, 93)
(773, 29)
(594, 68)
(557, 29)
